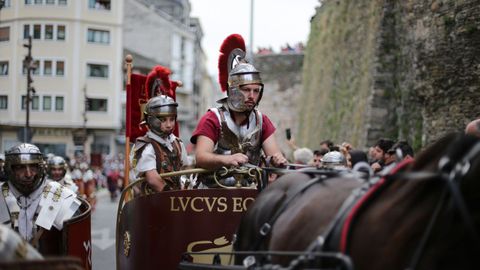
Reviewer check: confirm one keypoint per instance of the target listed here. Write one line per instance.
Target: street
(103, 232)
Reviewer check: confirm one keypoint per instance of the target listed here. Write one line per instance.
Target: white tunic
(147, 160)
(51, 201)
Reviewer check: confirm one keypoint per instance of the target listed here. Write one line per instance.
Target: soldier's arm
(270, 147)
(154, 180)
(208, 160)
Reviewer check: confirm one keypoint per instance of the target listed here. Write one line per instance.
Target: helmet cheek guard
(159, 106)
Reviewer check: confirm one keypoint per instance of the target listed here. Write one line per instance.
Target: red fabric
(359, 204)
(167, 87)
(209, 126)
(232, 42)
(136, 95)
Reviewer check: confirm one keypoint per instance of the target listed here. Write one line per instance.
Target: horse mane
(433, 151)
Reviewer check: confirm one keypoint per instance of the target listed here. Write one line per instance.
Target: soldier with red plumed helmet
(236, 132)
(159, 151)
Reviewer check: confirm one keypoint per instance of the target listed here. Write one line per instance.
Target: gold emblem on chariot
(220, 244)
(126, 244)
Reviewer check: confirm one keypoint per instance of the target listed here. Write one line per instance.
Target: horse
(422, 214)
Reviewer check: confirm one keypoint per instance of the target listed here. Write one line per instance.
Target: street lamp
(31, 66)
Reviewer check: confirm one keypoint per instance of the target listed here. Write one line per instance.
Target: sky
(276, 22)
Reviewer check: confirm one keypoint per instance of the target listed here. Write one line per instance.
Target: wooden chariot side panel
(155, 230)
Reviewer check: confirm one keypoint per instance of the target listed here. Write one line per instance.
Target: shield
(77, 236)
(73, 240)
(154, 231)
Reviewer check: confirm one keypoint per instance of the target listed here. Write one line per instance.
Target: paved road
(103, 232)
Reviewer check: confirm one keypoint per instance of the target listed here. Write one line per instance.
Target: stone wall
(439, 56)
(282, 75)
(384, 68)
(338, 73)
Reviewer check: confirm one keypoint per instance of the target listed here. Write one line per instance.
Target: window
(46, 2)
(3, 68)
(7, 3)
(35, 103)
(36, 70)
(24, 102)
(58, 104)
(48, 31)
(26, 31)
(37, 31)
(61, 32)
(96, 105)
(98, 71)
(35, 67)
(3, 102)
(99, 4)
(60, 68)
(47, 67)
(4, 33)
(47, 103)
(98, 36)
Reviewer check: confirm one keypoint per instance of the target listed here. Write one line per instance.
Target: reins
(267, 226)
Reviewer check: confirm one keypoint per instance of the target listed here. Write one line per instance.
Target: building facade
(77, 52)
(163, 33)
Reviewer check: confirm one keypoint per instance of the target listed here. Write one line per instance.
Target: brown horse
(425, 215)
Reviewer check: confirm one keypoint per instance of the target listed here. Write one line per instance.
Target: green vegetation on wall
(337, 72)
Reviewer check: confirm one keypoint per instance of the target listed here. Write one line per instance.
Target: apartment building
(161, 32)
(77, 51)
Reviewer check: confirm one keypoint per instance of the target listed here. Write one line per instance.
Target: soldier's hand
(236, 159)
(278, 160)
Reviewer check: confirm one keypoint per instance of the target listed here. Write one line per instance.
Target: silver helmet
(234, 72)
(242, 74)
(334, 160)
(24, 154)
(56, 162)
(156, 107)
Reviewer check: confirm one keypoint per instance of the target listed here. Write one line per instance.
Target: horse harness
(452, 174)
(265, 229)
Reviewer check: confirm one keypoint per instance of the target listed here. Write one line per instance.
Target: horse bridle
(451, 173)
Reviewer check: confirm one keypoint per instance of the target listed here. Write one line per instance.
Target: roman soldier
(57, 171)
(159, 151)
(28, 202)
(236, 132)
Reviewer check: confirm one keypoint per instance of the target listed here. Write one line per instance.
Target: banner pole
(126, 178)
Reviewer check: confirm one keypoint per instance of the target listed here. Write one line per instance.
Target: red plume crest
(232, 42)
(165, 88)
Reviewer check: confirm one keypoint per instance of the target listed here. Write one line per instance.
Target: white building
(77, 46)
(163, 32)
